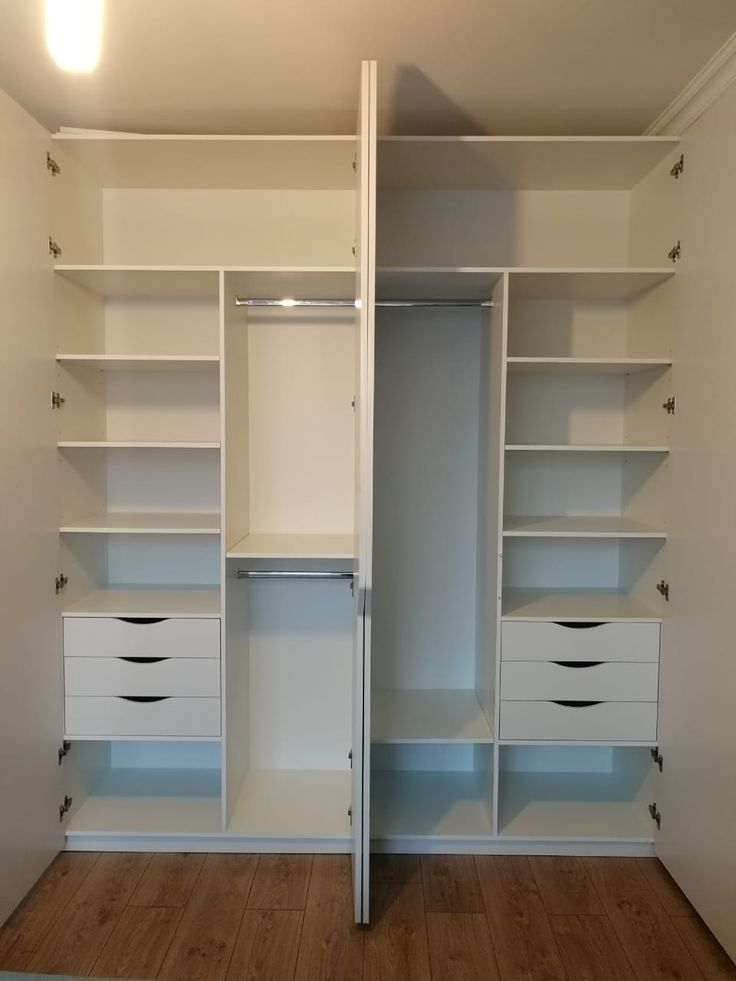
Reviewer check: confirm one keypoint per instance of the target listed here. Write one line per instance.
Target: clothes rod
(258, 574)
(244, 301)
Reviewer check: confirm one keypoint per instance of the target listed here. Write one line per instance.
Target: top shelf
(217, 162)
(538, 163)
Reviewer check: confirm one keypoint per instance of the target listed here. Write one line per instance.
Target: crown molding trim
(699, 94)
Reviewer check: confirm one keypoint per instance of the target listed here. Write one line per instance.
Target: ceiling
(445, 66)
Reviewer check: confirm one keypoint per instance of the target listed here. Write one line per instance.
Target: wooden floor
(286, 917)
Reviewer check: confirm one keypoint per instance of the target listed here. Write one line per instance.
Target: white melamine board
(136, 523)
(585, 283)
(79, 316)
(182, 327)
(564, 563)
(428, 716)
(586, 366)
(542, 526)
(299, 804)
(610, 681)
(552, 485)
(75, 214)
(569, 328)
(235, 664)
(234, 419)
(435, 283)
(192, 161)
(137, 480)
(585, 448)
(143, 362)
(142, 281)
(260, 546)
(165, 406)
(428, 803)
(112, 444)
(170, 560)
(111, 676)
(579, 604)
(516, 162)
(297, 282)
(147, 601)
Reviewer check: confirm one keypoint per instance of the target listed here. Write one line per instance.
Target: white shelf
(564, 163)
(148, 601)
(542, 526)
(262, 546)
(295, 282)
(573, 806)
(224, 162)
(587, 283)
(143, 801)
(142, 362)
(108, 444)
(428, 803)
(586, 366)
(568, 605)
(155, 282)
(428, 716)
(584, 448)
(436, 283)
(293, 804)
(159, 523)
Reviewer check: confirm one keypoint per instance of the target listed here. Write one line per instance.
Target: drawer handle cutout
(143, 660)
(142, 619)
(576, 625)
(579, 664)
(575, 704)
(144, 698)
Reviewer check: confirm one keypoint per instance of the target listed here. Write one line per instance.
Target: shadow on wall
(417, 106)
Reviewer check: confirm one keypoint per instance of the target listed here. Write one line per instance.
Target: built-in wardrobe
(369, 493)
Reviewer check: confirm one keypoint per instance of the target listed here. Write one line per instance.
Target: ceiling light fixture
(74, 33)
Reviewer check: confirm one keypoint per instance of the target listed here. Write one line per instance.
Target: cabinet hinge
(355, 165)
(52, 165)
(350, 816)
(352, 403)
(355, 248)
(657, 756)
(350, 759)
(57, 400)
(670, 405)
(675, 252)
(679, 167)
(656, 816)
(352, 586)
(61, 581)
(64, 807)
(54, 249)
(664, 588)
(64, 750)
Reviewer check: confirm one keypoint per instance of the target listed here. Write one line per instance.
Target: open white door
(696, 792)
(31, 692)
(365, 250)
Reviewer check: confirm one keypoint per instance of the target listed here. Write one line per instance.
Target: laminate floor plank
(281, 882)
(451, 884)
(460, 947)
(396, 947)
(396, 868)
(169, 880)
(564, 885)
(138, 944)
(649, 938)
(520, 930)
(22, 934)
(665, 888)
(590, 948)
(267, 946)
(331, 946)
(708, 954)
(76, 940)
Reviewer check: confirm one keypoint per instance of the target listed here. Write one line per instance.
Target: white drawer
(598, 722)
(529, 640)
(604, 681)
(106, 718)
(141, 637)
(195, 676)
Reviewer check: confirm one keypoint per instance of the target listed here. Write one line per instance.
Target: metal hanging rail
(271, 574)
(245, 301)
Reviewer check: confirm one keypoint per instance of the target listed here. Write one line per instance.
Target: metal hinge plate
(355, 165)
(656, 816)
(52, 165)
(670, 405)
(657, 757)
(57, 400)
(61, 581)
(64, 750)
(679, 167)
(54, 249)
(664, 589)
(350, 816)
(675, 252)
(64, 807)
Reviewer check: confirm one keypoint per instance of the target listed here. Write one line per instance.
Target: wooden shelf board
(265, 546)
(586, 366)
(589, 283)
(542, 526)
(218, 162)
(427, 803)
(142, 362)
(112, 444)
(428, 716)
(580, 604)
(436, 283)
(147, 601)
(146, 523)
(155, 282)
(519, 162)
(293, 804)
(583, 448)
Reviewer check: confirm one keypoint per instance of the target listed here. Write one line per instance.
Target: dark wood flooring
(188, 917)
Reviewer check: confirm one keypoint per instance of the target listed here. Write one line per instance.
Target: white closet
(403, 562)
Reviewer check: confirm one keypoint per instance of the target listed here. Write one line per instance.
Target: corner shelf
(428, 716)
(543, 526)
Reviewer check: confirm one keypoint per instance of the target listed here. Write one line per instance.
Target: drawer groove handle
(144, 698)
(576, 625)
(573, 704)
(143, 620)
(579, 664)
(143, 660)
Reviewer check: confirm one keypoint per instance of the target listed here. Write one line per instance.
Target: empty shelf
(429, 803)
(542, 526)
(142, 362)
(147, 601)
(580, 604)
(585, 284)
(583, 448)
(112, 444)
(264, 546)
(428, 716)
(129, 523)
(144, 281)
(436, 283)
(586, 366)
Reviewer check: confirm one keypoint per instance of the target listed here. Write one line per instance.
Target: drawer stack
(579, 681)
(141, 677)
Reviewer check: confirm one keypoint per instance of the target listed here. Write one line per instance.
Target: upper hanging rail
(245, 301)
(286, 574)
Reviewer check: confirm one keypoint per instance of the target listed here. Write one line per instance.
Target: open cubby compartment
(290, 384)
(559, 793)
(210, 201)
(289, 668)
(435, 544)
(125, 791)
(426, 798)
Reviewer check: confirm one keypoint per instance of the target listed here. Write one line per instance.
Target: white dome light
(74, 33)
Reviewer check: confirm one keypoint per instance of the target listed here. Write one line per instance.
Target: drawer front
(195, 676)
(528, 640)
(603, 681)
(168, 717)
(130, 637)
(599, 722)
